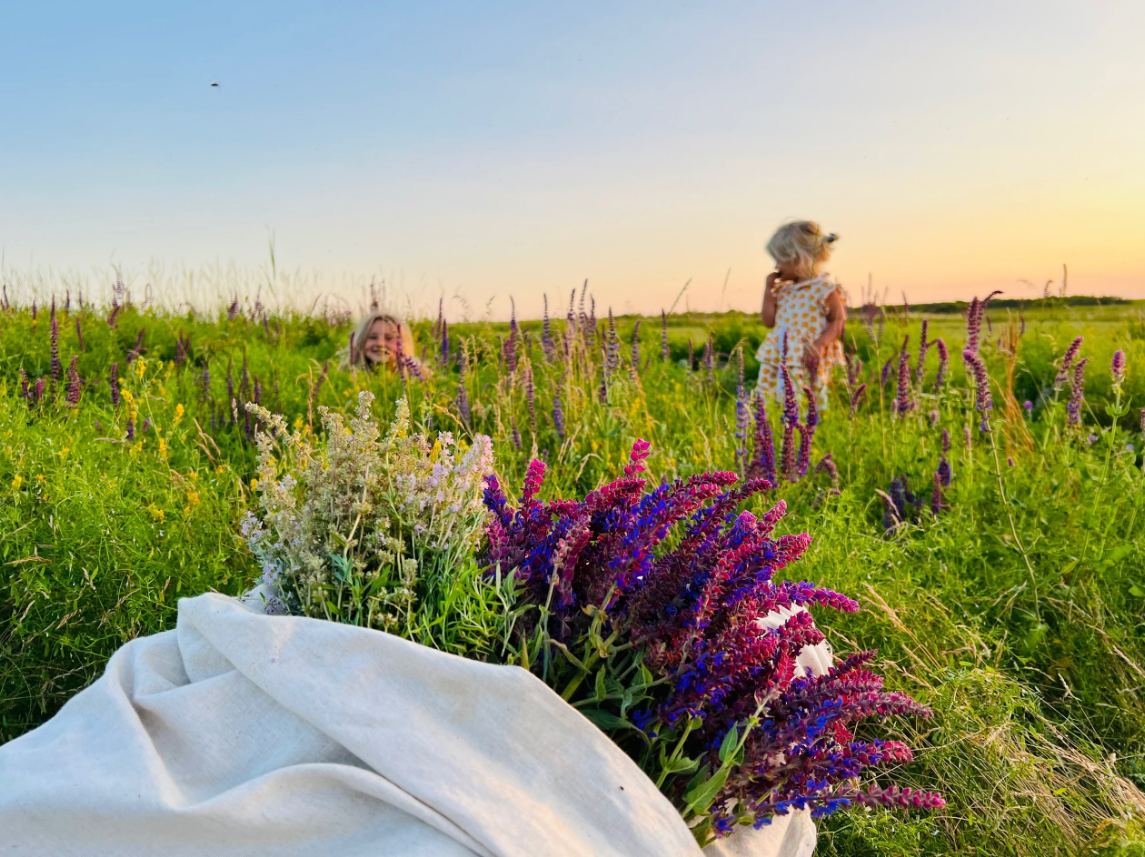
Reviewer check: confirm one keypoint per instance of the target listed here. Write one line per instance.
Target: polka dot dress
(800, 316)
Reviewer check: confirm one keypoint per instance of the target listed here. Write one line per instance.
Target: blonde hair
(801, 242)
(353, 354)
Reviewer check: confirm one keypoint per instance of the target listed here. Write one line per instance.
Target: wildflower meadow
(602, 500)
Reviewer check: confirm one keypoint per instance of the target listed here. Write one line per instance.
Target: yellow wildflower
(18, 481)
(193, 498)
(162, 448)
(156, 513)
(254, 484)
(40, 477)
(179, 411)
(140, 367)
(298, 422)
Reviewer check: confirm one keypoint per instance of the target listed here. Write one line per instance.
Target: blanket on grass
(243, 734)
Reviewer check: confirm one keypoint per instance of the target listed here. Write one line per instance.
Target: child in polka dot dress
(805, 312)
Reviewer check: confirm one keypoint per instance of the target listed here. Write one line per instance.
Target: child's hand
(772, 278)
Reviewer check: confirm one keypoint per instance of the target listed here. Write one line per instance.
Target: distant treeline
(1020, 303)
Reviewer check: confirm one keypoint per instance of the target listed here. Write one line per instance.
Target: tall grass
(1017, 613)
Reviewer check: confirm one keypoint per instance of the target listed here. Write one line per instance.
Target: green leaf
(606, 721)
(730, 742)
(699, 798)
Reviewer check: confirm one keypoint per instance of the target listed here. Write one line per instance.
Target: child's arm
(836, 317)
(768, 314)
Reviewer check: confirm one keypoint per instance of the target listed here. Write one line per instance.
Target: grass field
(1017, 613)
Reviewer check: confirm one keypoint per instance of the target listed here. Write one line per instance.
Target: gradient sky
(495, 149)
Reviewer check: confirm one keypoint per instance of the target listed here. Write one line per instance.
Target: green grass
(1019, 614)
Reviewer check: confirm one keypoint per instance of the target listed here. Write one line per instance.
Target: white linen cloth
(243, 734)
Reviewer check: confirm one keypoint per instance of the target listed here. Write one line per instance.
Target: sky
(482, 151)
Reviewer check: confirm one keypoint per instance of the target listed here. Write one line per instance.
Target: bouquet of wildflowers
(684, 647)
(680, 645)
(373, 530)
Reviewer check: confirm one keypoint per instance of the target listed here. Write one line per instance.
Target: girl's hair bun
(801, 242)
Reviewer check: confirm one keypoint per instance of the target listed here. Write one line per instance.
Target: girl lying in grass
(382, 340)
(805, 311)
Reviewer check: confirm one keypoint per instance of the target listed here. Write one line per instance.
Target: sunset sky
(497, 149)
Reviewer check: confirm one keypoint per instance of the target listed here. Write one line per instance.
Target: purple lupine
(923, 349)
(590, 333)
(113, 319)
(445, 344)
(462, 393)
(983, 401)
(636, 348)
(1067, 362)
(256, 393)
(233, 309)
(79, 335)
(511, 342)
(516, 434)
(570, 328)
(854, 369)
(130, 429)
(531, 398)
(1076, 392)
(73, 383)
(582, 316)
(113, 382)
(26, 391)
(885, 375)
(547, 334)
(807, 433)
(903, 402)
(936, 496)
(602, 390)
(692, 613)
(974, 321)
(763, 457)
(943, 472)
(56, 366)
(1117, 366)
(663, 336)
(943, 362)
(611, 346)
(743, 418)
(857, 398)
(137, 350)
(790, 424)
(827, 465)
(558, 416)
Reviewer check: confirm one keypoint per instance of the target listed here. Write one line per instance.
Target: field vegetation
(1001, 572)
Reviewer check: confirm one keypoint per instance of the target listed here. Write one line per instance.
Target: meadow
(1010, 597)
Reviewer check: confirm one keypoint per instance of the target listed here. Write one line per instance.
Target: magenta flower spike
(1076, 393)
(943, 362)
(73, 383)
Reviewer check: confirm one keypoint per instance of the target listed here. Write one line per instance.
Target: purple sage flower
(663, 336)
(130, 429)
(113, 381)
(943, 362)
